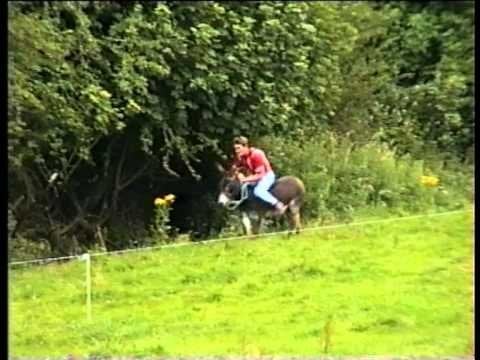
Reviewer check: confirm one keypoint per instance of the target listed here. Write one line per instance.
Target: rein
(233, 204)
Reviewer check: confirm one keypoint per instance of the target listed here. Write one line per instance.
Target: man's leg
(261, 191)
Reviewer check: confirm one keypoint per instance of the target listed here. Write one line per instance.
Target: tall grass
(344, 178)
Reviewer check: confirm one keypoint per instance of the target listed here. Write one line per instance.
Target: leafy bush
(21, 249)
(342, 176)
(109, 101)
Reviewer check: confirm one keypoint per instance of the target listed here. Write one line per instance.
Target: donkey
(288, 189)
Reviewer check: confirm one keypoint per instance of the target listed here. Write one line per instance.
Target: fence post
(88, 284)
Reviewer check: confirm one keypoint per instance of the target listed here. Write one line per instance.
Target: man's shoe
(280, 209)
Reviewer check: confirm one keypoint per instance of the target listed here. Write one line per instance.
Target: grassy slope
(395, 288)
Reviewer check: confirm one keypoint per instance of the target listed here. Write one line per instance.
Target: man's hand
(240, 177)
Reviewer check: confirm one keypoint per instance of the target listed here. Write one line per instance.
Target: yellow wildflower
(159, 202)
(170, 198)
(430, 181)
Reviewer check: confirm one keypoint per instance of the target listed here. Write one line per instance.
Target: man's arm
(259, 173)
(238, 169)
(259, 159)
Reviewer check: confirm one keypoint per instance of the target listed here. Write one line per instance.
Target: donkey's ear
(219, 167)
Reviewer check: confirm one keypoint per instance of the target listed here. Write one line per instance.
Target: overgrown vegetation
(113, 104)
(402, 288)
(344, 176)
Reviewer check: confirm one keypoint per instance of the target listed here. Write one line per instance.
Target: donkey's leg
(291, 222)
(257, 224)
(297, 221)
(294, 217)
(247, 224)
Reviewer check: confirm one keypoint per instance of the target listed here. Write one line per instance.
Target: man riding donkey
(271, 196)
(260, 171)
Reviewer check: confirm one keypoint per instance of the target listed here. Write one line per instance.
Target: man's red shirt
(256, 162)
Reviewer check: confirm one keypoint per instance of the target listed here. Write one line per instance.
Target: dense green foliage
(111, 105)
(397, 288)
(344, 176)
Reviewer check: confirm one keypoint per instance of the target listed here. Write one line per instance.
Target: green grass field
(397, 288)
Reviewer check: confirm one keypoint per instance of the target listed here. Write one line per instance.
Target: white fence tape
(206, 242)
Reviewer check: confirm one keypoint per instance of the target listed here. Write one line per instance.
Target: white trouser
(262, 187)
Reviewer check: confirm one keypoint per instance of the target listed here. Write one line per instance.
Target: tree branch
(135, 176)
(79, 160)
